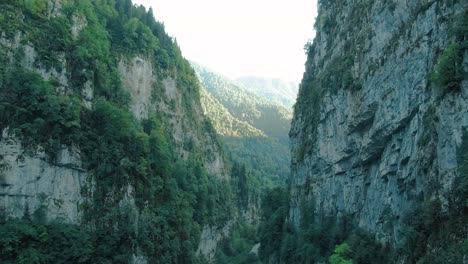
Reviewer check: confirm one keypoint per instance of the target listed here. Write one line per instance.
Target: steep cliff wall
(102, 126)
(185, 125)
(375, 131)
(30, 182)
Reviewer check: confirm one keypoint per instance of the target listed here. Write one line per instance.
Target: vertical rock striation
(373, 134)
(30, 183)
(63, 185)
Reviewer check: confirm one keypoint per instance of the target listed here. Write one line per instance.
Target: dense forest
(253, 129)
(172, 198)
(275, 90)
(372, 169)
(356, 194)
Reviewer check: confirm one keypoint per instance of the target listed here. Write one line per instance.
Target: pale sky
(242, 37)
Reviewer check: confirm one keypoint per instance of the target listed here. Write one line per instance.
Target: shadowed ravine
(115, 148)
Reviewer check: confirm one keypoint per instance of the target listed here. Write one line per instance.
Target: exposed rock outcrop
(31, 184)
(372, 135)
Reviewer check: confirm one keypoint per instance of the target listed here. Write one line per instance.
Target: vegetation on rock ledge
(173, 198)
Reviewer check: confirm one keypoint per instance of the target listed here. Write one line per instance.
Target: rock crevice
(364, 154)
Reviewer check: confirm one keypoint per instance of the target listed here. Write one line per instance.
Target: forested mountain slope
(246, 106)
(379, 139)
(275, 90)
(224, 123)
(265, 149)
(105, 153)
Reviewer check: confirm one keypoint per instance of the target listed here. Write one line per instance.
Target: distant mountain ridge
(224, 123)
(253, 129)
(270, 117)
(273, 89)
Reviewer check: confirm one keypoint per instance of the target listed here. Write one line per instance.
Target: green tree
(275, 209)
(449, 73)
(341, 255)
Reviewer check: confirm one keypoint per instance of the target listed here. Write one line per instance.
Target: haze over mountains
(246, 106)
(225, 123)
(276, 90)
(115, 149)
(254, 129)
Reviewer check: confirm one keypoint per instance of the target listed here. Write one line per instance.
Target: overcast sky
(241, 37)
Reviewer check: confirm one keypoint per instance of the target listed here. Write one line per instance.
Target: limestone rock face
(386, 138)
(140, 77)
(30, 184)
(209, 240)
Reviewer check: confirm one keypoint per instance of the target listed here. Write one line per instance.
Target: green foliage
(429, 235)
(245, 105)
(436, 236)
(367, 250)
(50, 39)
(309, 98)
(10, 18)
(174, 198)
(239, 172)
(314, 240)
(266, 158)
(274, 90)
(274, 211)
(225, 124)
(338, 75)
(235, 249)
(109, 134)
(34, 113)
(137, 37)
(22, 241)
(119, 152)
(253, 129)
(36, 8)
(433, 236)
(341, 254)
(449, 72)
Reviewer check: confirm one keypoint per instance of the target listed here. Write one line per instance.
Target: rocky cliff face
(30, 182)
(61, 186)
(139, 75)
(374, 134)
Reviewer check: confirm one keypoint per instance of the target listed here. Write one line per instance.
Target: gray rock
(29, 183)
(209, 240)
(32, 183)
(367, 159)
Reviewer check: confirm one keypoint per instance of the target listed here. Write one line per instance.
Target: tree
(342, 254)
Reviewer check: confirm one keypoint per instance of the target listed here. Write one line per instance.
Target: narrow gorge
(105, 151)
(379, 138)
(115, 148)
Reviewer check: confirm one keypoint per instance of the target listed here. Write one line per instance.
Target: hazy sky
(241, 37)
